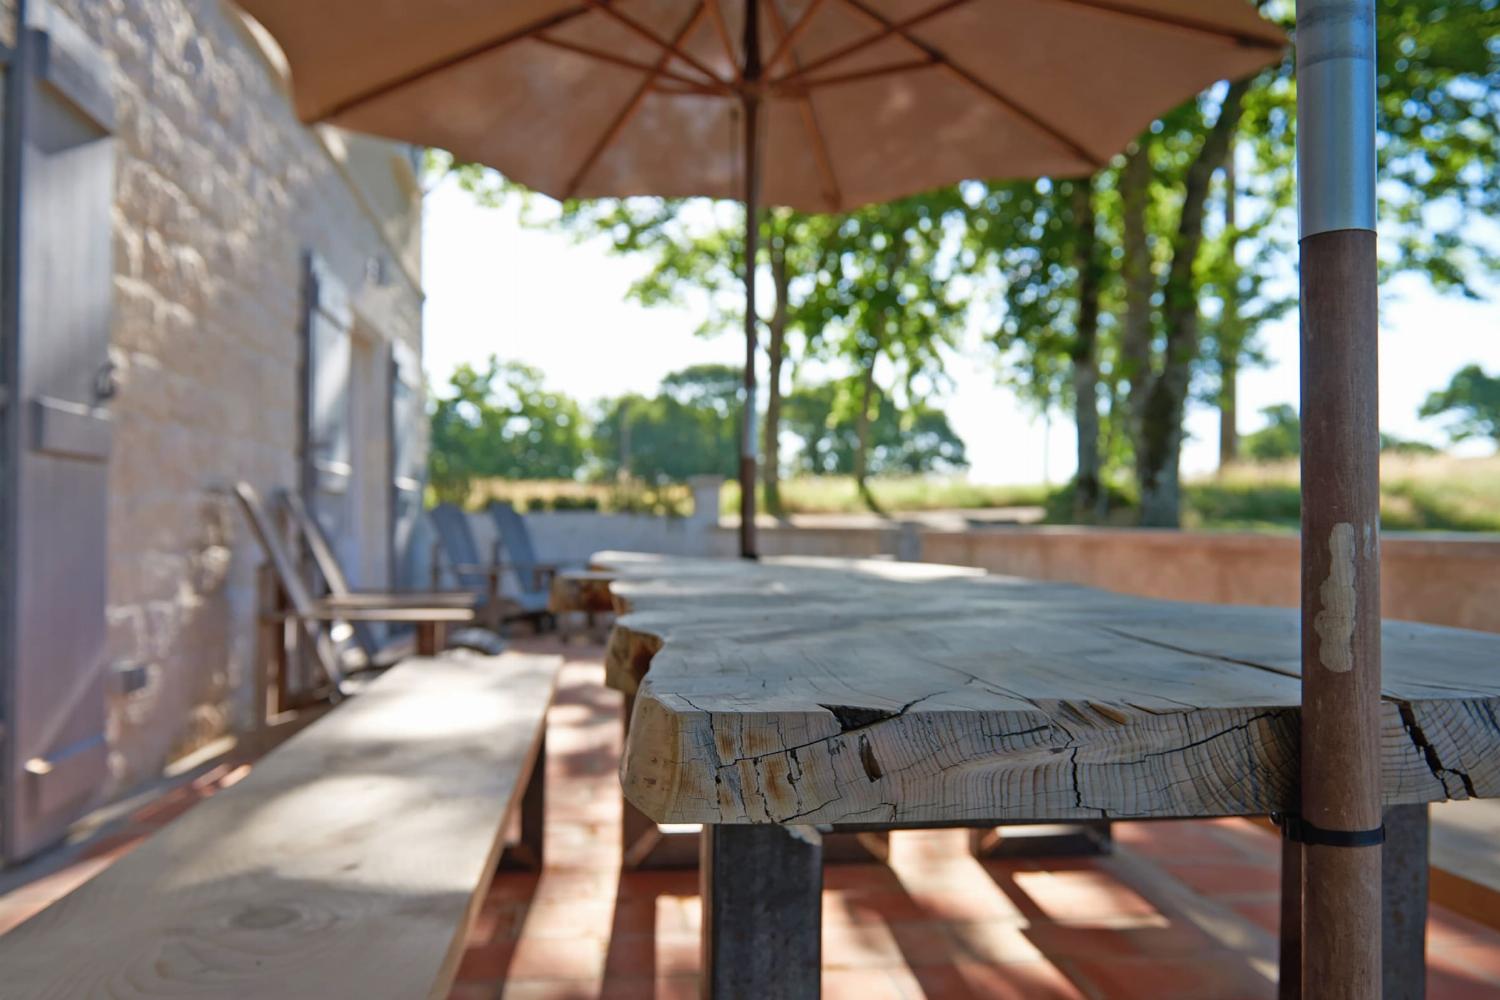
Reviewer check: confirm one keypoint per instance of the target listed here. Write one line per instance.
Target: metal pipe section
(750, 99)
(1335, 115)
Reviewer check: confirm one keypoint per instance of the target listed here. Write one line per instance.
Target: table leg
(762, 912)
(1289, 985)
(1403, 877)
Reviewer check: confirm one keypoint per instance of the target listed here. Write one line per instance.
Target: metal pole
(1340, 818)
(750, 98)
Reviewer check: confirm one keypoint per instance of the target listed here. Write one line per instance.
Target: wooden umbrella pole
(1340, 823)
(750, 98)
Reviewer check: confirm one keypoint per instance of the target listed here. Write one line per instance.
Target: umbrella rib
(433, 68)
(1009, 104)
(886, 30)
(1186, 24)
(722, 27)
(669, 49)
(634, 104)
(784, 47)
(802, 85)
(809, 113)
(639, 67)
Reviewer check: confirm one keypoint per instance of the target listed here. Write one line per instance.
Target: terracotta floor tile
(551, 989)
(1083, 896)
(1446, 985)
(1175, 939)
(557, 958)
(1228, 880)
(1013, 981)
(860, 946)
(994, 941)
(1210, 977)
(860, 984)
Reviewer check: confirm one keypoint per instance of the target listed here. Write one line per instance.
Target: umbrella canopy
(862, 100)
(819, 105)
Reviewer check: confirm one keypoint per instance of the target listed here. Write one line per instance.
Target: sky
(496, 287)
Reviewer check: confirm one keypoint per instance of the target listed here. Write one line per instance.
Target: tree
(916, 441)
(1041, 240)
(696, 251)
(501, 421)
(881, 294)
(689, 428)
(1280, 438)
(1473, 400)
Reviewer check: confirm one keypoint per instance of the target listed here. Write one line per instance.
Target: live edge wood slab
(808, 691)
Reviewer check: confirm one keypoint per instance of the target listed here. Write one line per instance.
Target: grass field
(1418, 493)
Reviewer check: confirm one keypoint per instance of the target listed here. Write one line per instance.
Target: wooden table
(773, 698)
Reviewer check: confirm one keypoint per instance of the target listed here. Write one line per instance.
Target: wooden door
(59, 188)
(408, 464)
(326, 449)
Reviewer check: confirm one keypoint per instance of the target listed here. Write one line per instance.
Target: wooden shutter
(408, 432)
(326, 450)
(59, 163)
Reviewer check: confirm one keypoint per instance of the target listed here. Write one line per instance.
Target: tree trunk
(1229, 434)
(1159, 447)
(1140, 282)
(771, 468)
(1231, 333)
(1086, 489)
(862, 433)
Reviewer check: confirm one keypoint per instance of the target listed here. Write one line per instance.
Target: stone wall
(220, 194)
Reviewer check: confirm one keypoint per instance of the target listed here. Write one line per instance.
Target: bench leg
(431, 638)
(526, 852)
(762, 892)
(1403, 877)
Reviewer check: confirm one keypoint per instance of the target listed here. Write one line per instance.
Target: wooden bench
(349, 863)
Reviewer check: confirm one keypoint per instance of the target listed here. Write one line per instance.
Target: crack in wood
(1429, 752)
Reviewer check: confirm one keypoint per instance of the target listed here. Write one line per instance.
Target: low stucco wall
(1439, 579)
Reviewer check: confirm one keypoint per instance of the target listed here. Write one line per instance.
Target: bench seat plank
(825, 691)
(349, 863)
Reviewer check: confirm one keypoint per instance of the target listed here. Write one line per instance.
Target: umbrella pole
(750, 101)
(1340, 824)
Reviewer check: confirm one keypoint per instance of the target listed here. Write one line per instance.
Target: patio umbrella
(818, 105)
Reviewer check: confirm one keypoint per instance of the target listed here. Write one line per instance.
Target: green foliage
(1473, 400)
(915, 440)
(1280, 438)
(689, 428)
(501, 421)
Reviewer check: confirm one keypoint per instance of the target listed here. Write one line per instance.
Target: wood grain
(349, 862)
(820, 691)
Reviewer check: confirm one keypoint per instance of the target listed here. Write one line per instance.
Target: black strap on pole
(1300, 831)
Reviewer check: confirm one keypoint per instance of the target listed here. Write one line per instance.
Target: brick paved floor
(1181, 910)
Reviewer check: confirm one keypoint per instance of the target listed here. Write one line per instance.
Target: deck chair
(315, 617)
(336, 581)
(461, 553)
(534, 578)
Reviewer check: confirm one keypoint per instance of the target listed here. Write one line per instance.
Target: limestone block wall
(220, 193)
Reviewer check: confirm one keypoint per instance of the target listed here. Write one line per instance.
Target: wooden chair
(317, 543)
(460, 552)
(316, 616)
(349, 863)
(533, 577)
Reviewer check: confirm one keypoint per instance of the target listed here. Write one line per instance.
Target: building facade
(243, 300)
